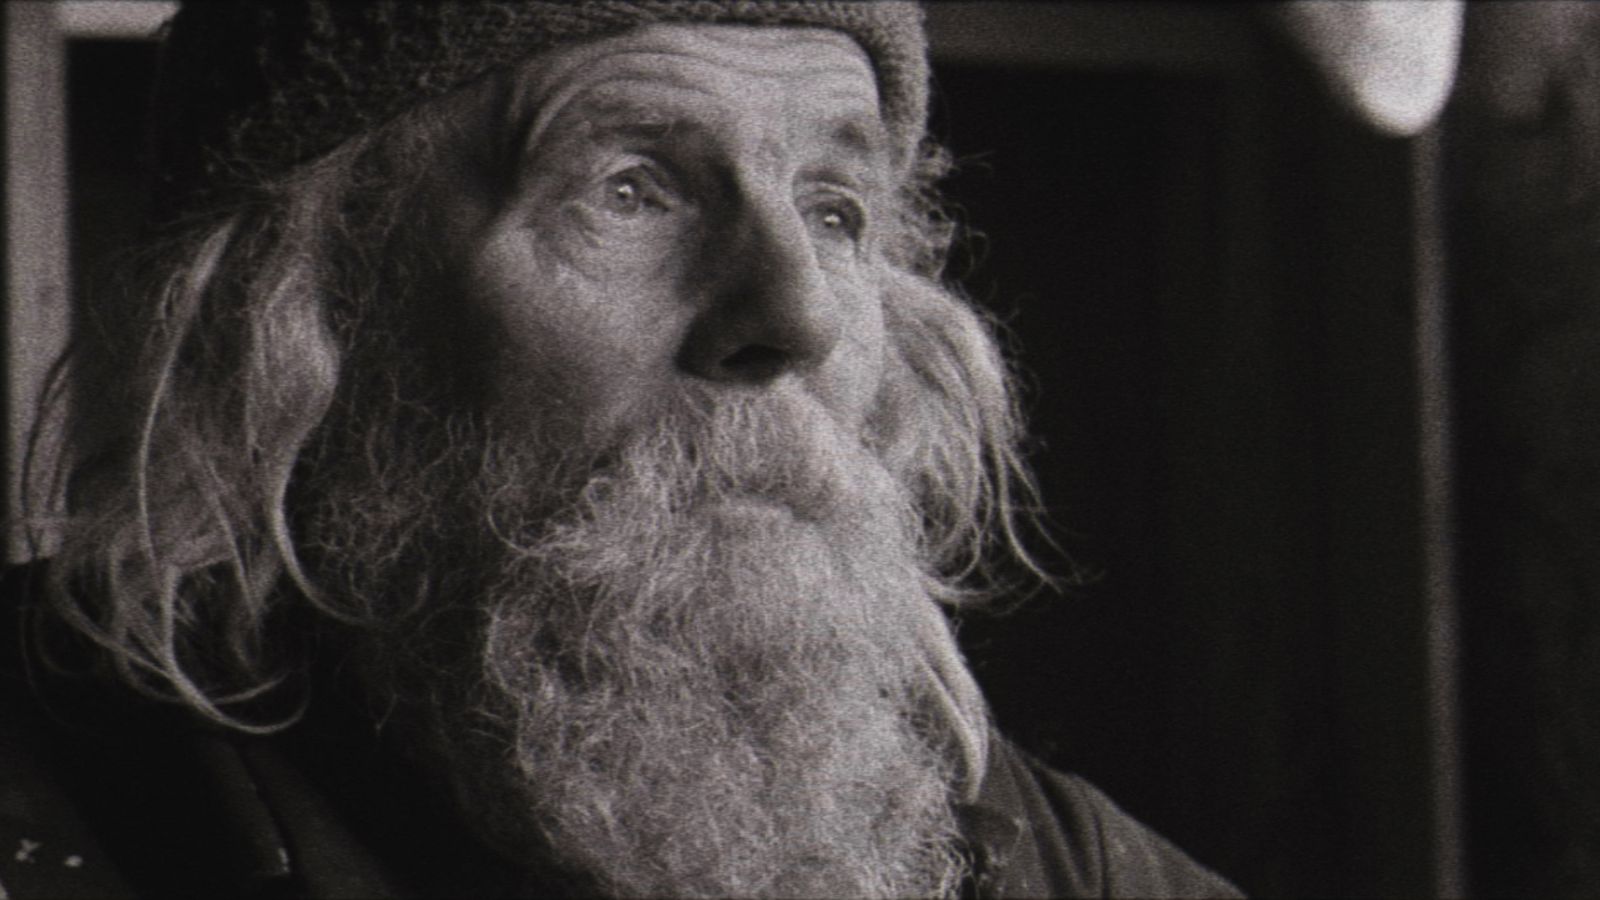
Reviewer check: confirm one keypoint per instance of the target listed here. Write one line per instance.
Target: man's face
(660, 258)
(687, 204)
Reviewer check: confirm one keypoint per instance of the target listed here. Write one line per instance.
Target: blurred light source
(1391, 62)
(114, 19)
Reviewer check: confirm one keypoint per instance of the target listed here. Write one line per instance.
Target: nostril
(756, 362)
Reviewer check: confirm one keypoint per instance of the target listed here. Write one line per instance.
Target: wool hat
(249, 89)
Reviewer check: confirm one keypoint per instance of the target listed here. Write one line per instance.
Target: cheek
(570, 351)
(850, 381)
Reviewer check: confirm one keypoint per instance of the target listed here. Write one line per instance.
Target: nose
(770, 310)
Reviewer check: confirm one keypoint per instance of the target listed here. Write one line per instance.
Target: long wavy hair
(190, 403)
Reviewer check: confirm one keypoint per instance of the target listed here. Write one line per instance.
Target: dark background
(1210, 277)
(1217, 286)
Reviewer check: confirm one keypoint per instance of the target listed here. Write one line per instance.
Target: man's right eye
(632, 192)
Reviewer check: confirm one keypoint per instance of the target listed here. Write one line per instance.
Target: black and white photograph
(799, 448)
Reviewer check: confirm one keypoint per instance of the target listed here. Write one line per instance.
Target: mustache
(780, 448)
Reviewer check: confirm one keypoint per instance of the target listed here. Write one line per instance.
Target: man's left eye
(835, 219)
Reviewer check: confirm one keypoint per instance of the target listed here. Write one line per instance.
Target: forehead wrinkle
(652, 52)
(785, 41)
(622, 97)
(862, 137)
(649, 92)
(603, 113)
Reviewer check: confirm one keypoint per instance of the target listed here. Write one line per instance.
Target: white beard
(718, 671)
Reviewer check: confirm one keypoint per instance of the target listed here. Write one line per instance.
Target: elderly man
(536, 461)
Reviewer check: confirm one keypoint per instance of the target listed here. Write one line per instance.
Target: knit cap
(249, 89)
